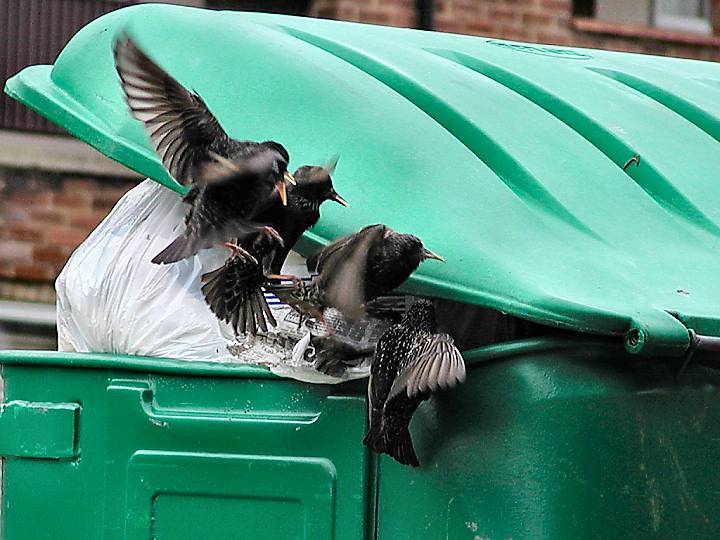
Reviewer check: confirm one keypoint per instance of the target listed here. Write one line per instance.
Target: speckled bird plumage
(411, 362)
(234, 291)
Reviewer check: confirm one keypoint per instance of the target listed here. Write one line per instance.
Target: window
(679, 15)
(684, 15)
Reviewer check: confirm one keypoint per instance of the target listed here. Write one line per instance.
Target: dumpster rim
(163, 365)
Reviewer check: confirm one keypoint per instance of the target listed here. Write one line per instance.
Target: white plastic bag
(111, 298)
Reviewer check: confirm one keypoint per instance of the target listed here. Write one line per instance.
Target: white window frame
(696, 25)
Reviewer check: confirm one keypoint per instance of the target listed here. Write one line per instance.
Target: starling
(234, 291)
(182, 130)
(313, 187)
(356, 269)
(223, 207)
(411, 362)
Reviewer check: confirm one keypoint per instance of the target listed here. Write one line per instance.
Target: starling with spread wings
(182, 130)
(234, 291)
(223, 208)
(411, 362)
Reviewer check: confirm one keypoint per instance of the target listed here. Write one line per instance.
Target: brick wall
(44, 216)
(543, 21)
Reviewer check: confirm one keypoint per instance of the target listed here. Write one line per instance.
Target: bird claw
(237, 251)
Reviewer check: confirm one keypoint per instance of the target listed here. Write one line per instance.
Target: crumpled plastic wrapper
(292, 348)
(111, 298)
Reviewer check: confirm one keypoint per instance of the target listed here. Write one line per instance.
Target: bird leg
(237, 251)
(284, 277)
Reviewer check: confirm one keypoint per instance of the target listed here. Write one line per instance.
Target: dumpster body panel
(548, 438)
(526, 147)
(167, 456)
(570, 442)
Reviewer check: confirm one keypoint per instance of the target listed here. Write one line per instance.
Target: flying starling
(224, 206)
(182, 130)
(234, 291)
(411, 362)
(313, 187)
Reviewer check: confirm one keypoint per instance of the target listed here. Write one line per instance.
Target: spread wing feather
(180, 126)
(317, 261)
(436, 364)
(342, 272)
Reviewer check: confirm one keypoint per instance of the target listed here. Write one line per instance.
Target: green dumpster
(514, 162)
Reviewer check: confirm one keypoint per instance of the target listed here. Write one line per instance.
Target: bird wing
(180, 125)
(318, 260)
(342, 272)
(437, 363)
(234, 295)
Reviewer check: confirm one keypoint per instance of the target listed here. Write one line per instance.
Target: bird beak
(338, 199)
(280, 186)
(289, 178)
(427, 254)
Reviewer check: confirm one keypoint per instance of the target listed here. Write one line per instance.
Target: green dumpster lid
(506, 158)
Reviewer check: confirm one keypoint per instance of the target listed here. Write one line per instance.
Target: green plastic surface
(571, 444)
(546, 439)
(505, 158)
(38, 430)
(173, 454)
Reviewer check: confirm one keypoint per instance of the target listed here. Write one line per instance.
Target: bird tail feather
(178, 250)
(400, 447)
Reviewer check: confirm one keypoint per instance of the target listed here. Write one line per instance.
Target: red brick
(7, 271)
(65, 236)
(555, 5)
(504, 15)
(534, 19)
(32, 197)
(47, 215)
(107, 198)
(57, 255)
(88, 219)
(74, 200)
(375, 15)
(555, 39)
(26, 231)
(479, 28)
(34, 272)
